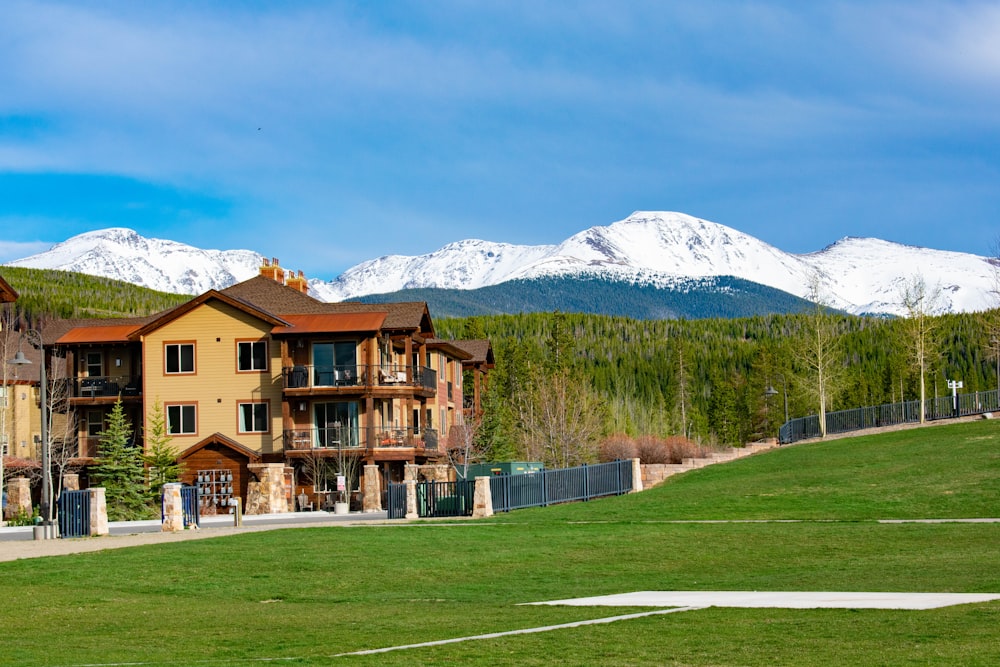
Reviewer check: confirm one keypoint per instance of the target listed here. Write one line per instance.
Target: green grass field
(303, 596)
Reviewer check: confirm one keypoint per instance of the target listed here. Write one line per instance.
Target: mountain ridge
(657, 248)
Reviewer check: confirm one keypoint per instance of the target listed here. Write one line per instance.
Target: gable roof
(272, 296)
(450, 347)
(480, 351)
(7, 293)
(282, 300)
(228, 443)
(211, 295)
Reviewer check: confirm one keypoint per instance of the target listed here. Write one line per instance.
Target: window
(251, 355)
(179, 357)
(182, 419)
(3, 397)
(254, 418)
(95, 423)
(95, 364)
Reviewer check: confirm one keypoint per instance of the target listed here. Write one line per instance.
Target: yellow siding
(216, 386)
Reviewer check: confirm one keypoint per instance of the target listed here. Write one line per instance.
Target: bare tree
(565, 423)
(464, 447)
(820, 352)
(921, 304)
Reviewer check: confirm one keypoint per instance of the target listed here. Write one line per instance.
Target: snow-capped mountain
(662, 249)
(162, 265)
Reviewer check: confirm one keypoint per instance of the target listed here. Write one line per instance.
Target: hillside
(725, 297)
(68, 294)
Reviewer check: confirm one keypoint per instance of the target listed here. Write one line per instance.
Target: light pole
(20, 360)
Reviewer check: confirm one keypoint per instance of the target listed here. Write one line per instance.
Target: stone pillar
(482, 502)
(18, 496)
(636, 476)
(409, 472)
(71, 482)
(441, 473)
(411, 499)
(372, 501)
(98, 512)
(271, 489)
(173, 510)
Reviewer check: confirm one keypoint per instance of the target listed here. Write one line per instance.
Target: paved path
(18, 543)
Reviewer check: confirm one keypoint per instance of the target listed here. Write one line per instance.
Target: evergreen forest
(707, 379)
(44, 293)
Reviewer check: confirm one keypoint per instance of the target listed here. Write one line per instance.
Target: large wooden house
(261, 373)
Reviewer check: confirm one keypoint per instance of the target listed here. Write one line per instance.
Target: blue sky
(327, 133)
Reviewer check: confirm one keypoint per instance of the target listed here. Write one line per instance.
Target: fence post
(482, 503)
(98, 512)
(636, 475)
(411, 499)
(173, 508)
(372, 501)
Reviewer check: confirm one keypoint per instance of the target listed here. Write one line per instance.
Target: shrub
(617, 446)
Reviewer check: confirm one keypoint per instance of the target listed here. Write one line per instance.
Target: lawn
(302, 596)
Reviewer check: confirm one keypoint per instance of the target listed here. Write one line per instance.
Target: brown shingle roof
(481, 350)
(7, 293)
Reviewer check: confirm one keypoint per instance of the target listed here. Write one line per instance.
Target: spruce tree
(120, 471)
(163, 464)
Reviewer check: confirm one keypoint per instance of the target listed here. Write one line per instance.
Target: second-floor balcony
(340, 438)
(358, 377)
(111, 386)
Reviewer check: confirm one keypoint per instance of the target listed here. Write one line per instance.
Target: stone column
(173, 510)
(71, 482)
(99, 512)
(482, 502)
(409, 472)
(636, 476)
(271, 489)
(18, 496)
(411, 499)
(372, 501)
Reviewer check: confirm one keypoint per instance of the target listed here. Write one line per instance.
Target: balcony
(337, 439)
(110, 387)
(354, 378)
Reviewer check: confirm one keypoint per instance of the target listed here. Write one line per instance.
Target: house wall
(23, 421)
(216, 388)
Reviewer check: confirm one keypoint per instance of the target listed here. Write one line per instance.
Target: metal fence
(74, 513)
(189, 505)
(548, 487)
(890, 414)
(510, 492)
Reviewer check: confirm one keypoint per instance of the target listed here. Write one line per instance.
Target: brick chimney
(273, 270)
(298, 282)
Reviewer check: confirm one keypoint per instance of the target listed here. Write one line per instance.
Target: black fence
(890, 414)
(510, 492)
(74, 513)
(189, 505)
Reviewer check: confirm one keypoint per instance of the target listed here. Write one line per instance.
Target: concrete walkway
(18, 542)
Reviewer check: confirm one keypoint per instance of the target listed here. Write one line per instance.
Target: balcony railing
(311, 377)
(111, 386)
(355, 438)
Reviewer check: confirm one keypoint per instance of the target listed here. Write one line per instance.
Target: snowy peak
(659, 248)
(168, 266)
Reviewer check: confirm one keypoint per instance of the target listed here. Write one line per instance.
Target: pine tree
(120, 471)
(163, 464)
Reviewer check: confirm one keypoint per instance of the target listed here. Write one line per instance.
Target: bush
(23, 518)
(651, 449)
(617, 446)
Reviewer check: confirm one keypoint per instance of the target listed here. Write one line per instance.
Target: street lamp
(771, 391)
(35, 339)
